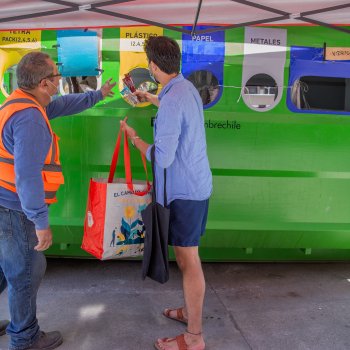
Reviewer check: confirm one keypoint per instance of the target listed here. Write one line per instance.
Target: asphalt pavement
(248, 306)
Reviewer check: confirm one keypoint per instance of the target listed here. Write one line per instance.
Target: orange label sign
(337, 53)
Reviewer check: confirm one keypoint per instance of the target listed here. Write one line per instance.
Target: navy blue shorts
(187, 222)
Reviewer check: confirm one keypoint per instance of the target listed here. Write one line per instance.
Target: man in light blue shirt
(180, 147)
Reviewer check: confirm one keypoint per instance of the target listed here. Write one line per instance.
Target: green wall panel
(281, 181)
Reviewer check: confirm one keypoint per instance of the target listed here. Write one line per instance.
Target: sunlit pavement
(106, 305)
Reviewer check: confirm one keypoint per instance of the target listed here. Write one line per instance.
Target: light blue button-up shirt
(180, 145)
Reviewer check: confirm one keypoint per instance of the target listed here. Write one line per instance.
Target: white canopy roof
(45, 14)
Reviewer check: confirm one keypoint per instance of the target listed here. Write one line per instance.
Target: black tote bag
(155, 264)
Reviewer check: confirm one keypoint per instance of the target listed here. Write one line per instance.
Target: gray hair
(33, 68)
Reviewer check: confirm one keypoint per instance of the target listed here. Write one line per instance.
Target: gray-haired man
(30, 175)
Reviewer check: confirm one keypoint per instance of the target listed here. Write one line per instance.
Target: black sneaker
(3, 326)
(47, 341)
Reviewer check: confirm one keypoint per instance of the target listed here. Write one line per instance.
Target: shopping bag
(155, 263)
(113, 226)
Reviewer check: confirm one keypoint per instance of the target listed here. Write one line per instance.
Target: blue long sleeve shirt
(180, 144)
(27, 137)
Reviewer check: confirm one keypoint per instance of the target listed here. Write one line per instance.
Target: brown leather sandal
(181, 344)
(179, 315)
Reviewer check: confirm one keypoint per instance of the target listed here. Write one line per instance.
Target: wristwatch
(133, 139)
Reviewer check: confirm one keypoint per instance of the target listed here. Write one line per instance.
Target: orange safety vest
(52, 171)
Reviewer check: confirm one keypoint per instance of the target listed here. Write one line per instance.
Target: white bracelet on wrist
(133, 139)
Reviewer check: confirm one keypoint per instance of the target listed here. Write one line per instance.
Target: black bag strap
(154, 179)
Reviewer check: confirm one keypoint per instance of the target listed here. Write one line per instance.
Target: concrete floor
(106, 306)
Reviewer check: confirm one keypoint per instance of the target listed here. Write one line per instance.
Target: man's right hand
(146, 96)
(107, 87)
(44, 239)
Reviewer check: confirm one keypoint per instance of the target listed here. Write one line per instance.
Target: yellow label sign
(26, 39)
(132, 55)
(337, 53)
(133, 38)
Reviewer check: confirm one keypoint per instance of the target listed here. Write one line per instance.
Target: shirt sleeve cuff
(148, 153)
(42, 223)
(100, 96)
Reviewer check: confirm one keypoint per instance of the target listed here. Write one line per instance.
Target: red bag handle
(114, 158)
(127, 166)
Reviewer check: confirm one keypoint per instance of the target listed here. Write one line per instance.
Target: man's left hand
(107, 87)
(125, 127)
(44, 239)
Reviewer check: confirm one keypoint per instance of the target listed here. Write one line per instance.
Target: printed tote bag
(113, 226)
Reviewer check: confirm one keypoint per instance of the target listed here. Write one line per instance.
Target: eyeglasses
(52, 76)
